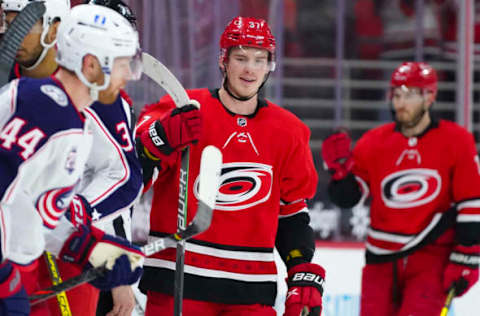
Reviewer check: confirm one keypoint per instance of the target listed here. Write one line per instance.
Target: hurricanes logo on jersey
(242, 185)
(411, 188)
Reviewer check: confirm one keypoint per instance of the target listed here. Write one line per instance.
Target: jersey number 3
(27, 141)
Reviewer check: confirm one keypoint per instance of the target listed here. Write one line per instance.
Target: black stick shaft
(85, 277)
(181, 227)
(14, 36)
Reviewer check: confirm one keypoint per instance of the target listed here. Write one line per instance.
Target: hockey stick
(210, 166)
(448, 301)
(14, 35)
(62, 299)
(163, 77)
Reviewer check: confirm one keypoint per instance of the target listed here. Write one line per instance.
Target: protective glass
(129, 68)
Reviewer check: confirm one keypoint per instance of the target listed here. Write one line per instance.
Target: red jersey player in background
(267, 175)
(418, 245)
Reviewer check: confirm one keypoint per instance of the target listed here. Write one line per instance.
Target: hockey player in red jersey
(418, 246)
(267, 175)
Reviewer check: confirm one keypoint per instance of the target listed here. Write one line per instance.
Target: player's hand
(13, 297)
(90, 247)
(337, 154)
(166, 137)
(123, 301)
(462, 270)
(305, 289)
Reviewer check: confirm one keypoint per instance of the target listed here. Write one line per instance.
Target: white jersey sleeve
(7, 101)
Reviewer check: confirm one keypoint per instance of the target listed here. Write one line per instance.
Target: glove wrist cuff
(467, 256)
(78, 246)
(154, 148)
(12, 283)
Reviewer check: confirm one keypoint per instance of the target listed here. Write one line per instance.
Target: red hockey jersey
(267, 174)
(414, 181)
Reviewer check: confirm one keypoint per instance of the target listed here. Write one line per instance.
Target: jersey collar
(261, 102)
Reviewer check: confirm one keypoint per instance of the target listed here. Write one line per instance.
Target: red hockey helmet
(249, 32)
(415, 74)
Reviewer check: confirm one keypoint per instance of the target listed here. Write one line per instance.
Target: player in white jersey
(43, 150)
(112, 179)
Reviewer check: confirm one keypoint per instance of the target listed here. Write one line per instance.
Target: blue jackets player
(111, 182)
(43, 156)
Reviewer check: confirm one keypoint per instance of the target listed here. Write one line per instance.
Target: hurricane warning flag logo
(242, 185)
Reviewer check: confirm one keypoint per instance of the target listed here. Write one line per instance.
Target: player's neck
(418, 128)
(45, 69)
(76, 90)
(236, 106)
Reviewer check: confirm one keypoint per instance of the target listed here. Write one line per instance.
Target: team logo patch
(55, 93)
(52, 204)
(411, 188)
(242, 185)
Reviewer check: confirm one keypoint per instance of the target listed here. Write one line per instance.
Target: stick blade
(15, 34)
(210, 168)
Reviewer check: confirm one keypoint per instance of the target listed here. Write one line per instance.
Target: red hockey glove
(167, 136)
(337, 155)
(462, 270)
(13, 297)
(305, 289)
(90, 247)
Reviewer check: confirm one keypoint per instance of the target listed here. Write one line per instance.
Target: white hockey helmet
(101, 32)
(54, 10)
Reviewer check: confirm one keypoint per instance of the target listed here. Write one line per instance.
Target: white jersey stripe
(401, 239)
(227, 254)
(408, 243)
(468, 204)
(159, 263)
(462, 218)
(303, 210)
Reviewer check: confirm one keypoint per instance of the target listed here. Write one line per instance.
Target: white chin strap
(94, 92)
(93, 87)
(45, 49)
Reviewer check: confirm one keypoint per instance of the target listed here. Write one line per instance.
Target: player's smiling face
(409, 104)
(246, 70)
